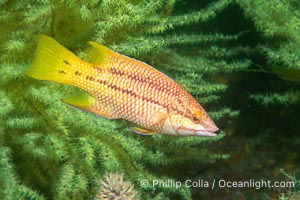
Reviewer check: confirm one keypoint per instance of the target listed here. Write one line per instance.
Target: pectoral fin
(142, 131)
(159, 118)
(88, 103)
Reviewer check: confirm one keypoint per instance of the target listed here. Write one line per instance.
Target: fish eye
(195, 119)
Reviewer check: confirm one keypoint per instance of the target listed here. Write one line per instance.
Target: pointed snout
(186, 127)
(209, 128)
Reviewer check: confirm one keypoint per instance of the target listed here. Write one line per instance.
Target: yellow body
(122, 87)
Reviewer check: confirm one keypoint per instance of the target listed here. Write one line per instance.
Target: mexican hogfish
(121, 87)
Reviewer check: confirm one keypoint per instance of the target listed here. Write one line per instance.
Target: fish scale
(121, 87)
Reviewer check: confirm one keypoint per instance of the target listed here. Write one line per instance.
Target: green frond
(286, 98)
(291, 177)
(204, 89)
(225, 111)
(26, 193)
(272, 18)
(88, 152)
(85, 13)
(143, 45)
(168, 6)
(195, 141)
(235, 66)
(14, 46)
(32, 144)
(209, 99)
(279, 23)
(10, 186)
(216, 52)
(21, 123)
(65, 183)
(292, 192)
(109, 160)
(8, 179)
(5, 104)
(56, 147)
(11, 73)
(187, 19)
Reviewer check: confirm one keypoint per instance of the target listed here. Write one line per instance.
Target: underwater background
(239, 58)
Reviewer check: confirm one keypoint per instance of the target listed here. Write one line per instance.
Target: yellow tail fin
(53, 62)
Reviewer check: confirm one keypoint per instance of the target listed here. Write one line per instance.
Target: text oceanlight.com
(220, 183)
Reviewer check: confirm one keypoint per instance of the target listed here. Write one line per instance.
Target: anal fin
(142, 131)
(88, 103)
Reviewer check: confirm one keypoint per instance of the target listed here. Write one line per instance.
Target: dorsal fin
(97, 54)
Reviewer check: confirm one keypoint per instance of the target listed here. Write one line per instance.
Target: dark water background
(262, 139)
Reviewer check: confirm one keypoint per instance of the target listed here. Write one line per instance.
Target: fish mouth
(201, 132)
(205, 133)
(208, 131)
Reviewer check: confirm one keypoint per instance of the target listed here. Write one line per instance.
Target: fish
(287, 73)
(120, 87)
